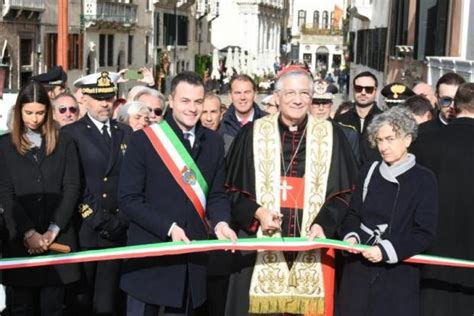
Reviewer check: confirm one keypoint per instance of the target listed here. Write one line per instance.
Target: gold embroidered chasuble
(275, 288)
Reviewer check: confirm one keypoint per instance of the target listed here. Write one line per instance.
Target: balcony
(180, 4)
(30, 9)
(438, 66)
(278, 4)
(311, 30)
(110, 15)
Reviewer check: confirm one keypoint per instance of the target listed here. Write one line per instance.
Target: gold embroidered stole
(274, 287)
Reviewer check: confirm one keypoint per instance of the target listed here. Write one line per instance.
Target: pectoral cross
(284, 188)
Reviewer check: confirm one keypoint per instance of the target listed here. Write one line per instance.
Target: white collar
(99, 124)
(192, 131)
(249, 118)
(442, 119)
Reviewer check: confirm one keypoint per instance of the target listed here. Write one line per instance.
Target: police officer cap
(100, 86)
(324, 90)
(396, 93)
(56, 76)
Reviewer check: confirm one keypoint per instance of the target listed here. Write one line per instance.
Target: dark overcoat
(35, 191)
(153, 201)
(102, 223)
(407, 204)
(449, 153)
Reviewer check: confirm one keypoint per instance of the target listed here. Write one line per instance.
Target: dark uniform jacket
(35, 191)
(351, 118)
(153, 201)
(103, 225)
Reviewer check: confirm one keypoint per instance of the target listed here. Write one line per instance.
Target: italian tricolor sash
(180, 164)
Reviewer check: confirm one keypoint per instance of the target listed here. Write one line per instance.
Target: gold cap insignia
(397, 89)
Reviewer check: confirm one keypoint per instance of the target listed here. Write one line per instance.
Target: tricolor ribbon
(178, 248)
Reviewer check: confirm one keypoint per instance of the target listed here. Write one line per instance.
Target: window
(333, 23)
(371, 45)
(325, 20)
(106, 50)
(110, 50)
(26, 59)
(431, 28)
(50, 50)
(75, 51)
(26, 52)
(301, 17)
(102, 50)
(316, 19)
(182, 30)
(399, 25)
(170, 32)
(130, 49)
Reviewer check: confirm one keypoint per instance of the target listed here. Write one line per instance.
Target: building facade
(316, 34)
(253, 29)
(410, 41)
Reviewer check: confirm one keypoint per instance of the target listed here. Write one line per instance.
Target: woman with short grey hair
(135, 114)
(393, 210)
(399, 118)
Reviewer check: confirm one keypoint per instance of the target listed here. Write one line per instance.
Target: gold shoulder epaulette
(346, 125)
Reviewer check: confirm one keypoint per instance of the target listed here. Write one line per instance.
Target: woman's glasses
(157, 111)
(72, 109)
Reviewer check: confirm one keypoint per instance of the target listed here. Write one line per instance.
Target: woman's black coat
(35, 191)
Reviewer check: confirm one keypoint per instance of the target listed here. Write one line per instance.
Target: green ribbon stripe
(184, 154)
(257, 243)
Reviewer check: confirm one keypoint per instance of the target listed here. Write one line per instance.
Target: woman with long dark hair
(39, 188)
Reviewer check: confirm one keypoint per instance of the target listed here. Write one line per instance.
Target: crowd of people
(89, 171)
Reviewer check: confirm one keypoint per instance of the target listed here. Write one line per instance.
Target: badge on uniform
(189, 176)
(85, 210)
(123, 147)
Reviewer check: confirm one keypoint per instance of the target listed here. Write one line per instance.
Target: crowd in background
(61, 168)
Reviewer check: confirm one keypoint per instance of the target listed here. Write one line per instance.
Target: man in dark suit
(166, 165)
(448, 152)
(365, 92)
(446, 88)
(101, 143)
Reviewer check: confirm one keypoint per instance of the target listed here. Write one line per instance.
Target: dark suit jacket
(103, 225)
(351, 118)
(152, 200)
(35, 191)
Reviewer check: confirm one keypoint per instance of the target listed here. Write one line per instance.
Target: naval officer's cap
(100, 86)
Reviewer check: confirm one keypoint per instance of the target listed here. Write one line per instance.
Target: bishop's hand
(316, 231)
(224, 232)
(270, 221)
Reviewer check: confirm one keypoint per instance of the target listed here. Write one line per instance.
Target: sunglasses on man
(445, 101)
(71, 109)
(157, 111)
(368, 89)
